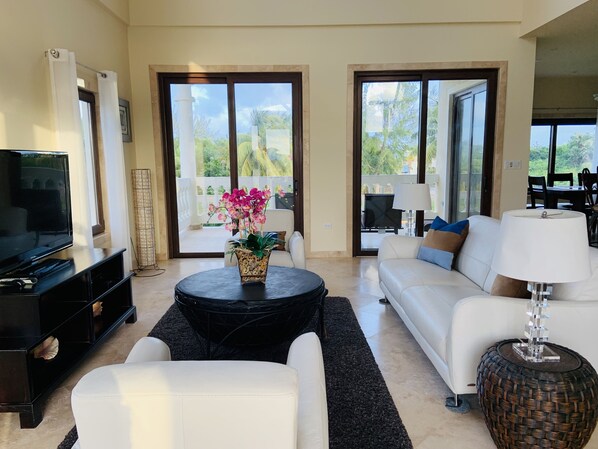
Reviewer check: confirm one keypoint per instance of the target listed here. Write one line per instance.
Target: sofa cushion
(475, 258)
(400, 274)
(281, 259)
(430, 309)
(280, 235)
(506, 286)
(443, 242)
(582, 290)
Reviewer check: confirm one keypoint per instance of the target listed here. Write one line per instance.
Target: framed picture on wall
(125, 120)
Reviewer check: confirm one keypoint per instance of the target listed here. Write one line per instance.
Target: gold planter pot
(251, 268)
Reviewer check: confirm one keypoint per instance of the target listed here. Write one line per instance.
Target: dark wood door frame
(470, 92)
(229, 79)
(425, 76)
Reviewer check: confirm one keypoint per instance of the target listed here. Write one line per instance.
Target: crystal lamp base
(548, 355)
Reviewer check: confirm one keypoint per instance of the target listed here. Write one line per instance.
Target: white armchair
(151, 402)
(294, 254)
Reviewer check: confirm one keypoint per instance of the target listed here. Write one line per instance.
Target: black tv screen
(35, 206)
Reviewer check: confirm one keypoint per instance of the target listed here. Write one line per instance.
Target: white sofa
(454, 318)
(152, 402)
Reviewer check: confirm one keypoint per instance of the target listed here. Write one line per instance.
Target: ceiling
(568, 46)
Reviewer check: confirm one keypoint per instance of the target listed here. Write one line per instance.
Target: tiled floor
(417, 389)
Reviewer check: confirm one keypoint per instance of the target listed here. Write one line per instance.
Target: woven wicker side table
(537, 405)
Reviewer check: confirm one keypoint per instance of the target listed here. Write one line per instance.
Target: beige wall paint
(317, 12)
(29, 27)
(537, 13)
(328, 51)
(118, 7)
(565, 97)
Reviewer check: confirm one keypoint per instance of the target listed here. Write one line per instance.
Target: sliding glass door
(406, 131)
(469, 122)
(223, 132)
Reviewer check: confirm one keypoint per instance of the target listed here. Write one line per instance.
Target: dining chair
(538, 183)
(566, 178)
(590, 184)
(579, 175)
(559, 177)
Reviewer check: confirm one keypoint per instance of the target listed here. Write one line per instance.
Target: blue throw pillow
(443, 242)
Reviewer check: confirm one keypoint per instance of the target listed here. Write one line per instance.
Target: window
(562, 146)
(87, 109)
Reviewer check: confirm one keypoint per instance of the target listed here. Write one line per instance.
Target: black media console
(78, 305)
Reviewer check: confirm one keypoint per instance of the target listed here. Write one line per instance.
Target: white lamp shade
(547, 250)
(412, 197)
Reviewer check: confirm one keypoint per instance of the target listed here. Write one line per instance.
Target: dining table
(576, 195)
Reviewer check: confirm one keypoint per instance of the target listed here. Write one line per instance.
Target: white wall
(565, 97)
(120, 8)
(28, 28)
(328, 50)
(318, 12)
(537, 13)
(329, 37)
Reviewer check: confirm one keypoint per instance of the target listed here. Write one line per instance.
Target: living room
(327, 44)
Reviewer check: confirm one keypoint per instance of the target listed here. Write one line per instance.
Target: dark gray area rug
(361, 411)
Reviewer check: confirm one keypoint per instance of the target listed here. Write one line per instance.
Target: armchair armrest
(230, 260)
(149, 349)
(297, 249)
(399, 247)
(305, 355)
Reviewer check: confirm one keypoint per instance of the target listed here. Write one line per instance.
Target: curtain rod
(56, 54)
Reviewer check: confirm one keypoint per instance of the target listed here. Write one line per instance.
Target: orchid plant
(247, 214)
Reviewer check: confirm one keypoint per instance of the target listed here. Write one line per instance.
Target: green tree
(215, 156)
(263, 161)
(396, 145)
(575, 154)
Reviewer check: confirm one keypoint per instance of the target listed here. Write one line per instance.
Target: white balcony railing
(209, 190)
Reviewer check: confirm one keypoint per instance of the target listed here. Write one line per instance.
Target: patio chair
(293, 254)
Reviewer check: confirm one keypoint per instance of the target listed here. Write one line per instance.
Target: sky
(541, 134)
(210, 101)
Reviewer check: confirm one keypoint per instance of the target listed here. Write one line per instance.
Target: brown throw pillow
(443, 242)
(513, 288)
(280, 236)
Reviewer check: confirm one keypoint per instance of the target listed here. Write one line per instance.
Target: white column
(116, 182)
(69, 138)
(181, 95)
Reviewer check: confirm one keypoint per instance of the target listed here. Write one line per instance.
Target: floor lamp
(412, 197)
(541, 247)
(144, 218)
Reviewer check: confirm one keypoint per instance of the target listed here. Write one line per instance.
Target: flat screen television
(35, 206)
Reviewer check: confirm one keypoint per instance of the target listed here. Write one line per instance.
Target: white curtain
(69, 136)
(118, 206)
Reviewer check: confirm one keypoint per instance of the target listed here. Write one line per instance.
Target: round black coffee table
(223, 311)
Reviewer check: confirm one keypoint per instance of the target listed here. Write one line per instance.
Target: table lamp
(412, 197)
(542, 247)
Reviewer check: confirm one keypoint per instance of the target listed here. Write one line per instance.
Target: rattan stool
(537, 405)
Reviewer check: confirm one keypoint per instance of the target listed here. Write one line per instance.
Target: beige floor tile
(418, 391)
